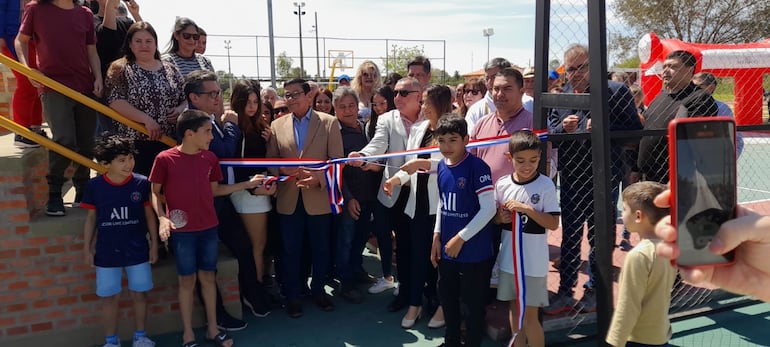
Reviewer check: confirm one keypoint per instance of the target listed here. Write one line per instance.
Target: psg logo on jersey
(461, 182)
(136, 197)
(535, 198)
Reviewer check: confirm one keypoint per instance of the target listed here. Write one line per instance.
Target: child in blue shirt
(462, 238)
(115, 233)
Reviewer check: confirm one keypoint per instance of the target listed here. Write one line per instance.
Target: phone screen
(705, 188)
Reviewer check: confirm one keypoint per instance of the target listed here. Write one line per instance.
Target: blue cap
(553, 75)
(343, 77)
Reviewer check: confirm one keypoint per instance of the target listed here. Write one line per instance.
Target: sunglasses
(472, 91)
(404, 93)
(280, 110)
(188, 36)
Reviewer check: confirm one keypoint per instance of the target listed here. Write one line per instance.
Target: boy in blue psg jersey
(533, 197)
(119, 218)
(462, 238)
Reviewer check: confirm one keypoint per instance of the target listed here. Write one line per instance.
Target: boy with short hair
(644, 295)
(462, 238)
(119, 211)
(189, 176)
(533, 196)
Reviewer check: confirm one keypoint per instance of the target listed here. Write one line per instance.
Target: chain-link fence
(636, 145)
(249, 55)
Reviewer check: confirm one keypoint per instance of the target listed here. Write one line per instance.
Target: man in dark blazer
(303, 202)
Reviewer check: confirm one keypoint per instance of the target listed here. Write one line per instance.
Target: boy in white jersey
(533, 197)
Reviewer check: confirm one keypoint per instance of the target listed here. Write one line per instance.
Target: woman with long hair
(322, 102)
(253, 209)
(146, 90)
(366, 82)
(473, 91)
(422, 203)
(382, 101)
(181, 50)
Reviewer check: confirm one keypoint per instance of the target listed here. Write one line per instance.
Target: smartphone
(703, 184)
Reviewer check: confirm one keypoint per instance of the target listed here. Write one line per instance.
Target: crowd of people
(450, 217)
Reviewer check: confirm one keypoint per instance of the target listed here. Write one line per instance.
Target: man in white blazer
(390, 136)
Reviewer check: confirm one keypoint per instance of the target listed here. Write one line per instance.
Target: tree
(283, 64)
(398, 57)
(701, 21)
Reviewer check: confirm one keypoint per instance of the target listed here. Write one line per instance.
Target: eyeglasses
(280, 110)
(404, 93)
(580, 68)
(213, 94)
(188, 36)
(293, 95)
(472, 91)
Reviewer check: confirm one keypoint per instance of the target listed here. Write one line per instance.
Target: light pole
(487, 33)
(317, 52)
(299, 14)
(229, 71)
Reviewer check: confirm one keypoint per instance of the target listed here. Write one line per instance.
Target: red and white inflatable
(745, 63)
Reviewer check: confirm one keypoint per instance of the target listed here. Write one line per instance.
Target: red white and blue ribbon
(518, 273)
(333, 175)
(333, 167)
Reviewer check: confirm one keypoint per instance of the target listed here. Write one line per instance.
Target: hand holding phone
(748, 235)
(703, 183)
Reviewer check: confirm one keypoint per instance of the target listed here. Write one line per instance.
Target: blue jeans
(350, 241)
(294, 228)
(195, 251)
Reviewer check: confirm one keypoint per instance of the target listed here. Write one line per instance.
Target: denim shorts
(195, 251)
(108, 279)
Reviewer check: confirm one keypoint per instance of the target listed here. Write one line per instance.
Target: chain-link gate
(630, 131)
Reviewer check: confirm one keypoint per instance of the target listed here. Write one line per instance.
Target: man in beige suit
(303, 202)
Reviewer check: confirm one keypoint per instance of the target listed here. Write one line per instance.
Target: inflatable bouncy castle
(745, 63)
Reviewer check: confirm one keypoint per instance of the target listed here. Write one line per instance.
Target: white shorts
(536, 294)
(245, 202)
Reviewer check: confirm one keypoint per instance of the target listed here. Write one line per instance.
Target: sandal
(220, 339)
(190, 344)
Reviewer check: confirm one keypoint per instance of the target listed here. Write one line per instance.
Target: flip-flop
(220, 339)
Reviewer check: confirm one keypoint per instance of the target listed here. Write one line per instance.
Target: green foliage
(283, 65)
(697, 21)
(398, 57)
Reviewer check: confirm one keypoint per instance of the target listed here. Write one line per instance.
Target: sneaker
(55, 207)
(562, 303)
(230, 323)
(23, 142)
(588, 302)
(78, 199)
(259, 312)
(625, 245)
(143, 342)
(382, 285)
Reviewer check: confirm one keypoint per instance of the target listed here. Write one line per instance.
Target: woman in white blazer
(421, 205)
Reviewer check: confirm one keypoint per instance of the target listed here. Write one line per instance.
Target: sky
(452, 30)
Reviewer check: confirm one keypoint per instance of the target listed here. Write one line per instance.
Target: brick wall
(46, 290)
